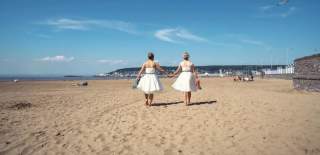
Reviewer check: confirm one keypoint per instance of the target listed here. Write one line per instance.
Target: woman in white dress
(149, 83)
(186, 82)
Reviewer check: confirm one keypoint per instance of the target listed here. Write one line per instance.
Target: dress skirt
(185, 82)
(150, 83)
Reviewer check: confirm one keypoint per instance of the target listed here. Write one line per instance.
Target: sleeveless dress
(150, 82)
(186, 80)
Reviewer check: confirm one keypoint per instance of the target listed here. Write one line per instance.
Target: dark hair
(150, 56)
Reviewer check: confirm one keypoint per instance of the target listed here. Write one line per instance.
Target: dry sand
(264, 117)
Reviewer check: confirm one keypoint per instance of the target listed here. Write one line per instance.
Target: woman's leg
(150, 99)
(146, 97)
(198, 84)
(186, 98)
(189, 97)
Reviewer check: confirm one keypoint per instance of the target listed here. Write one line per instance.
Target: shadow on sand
(199, 103)
(166, 104)
(177, 102)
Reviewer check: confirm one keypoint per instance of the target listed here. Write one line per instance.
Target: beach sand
(264, 117)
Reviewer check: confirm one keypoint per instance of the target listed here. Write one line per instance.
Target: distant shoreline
(85, 78)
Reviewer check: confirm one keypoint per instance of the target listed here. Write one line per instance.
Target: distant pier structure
(307, 73)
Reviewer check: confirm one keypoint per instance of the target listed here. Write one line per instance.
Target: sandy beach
(264, 117)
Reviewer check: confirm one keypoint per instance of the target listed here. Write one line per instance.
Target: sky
(58, 37)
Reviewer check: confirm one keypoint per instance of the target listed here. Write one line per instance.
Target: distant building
(307, 73)
(289, 69)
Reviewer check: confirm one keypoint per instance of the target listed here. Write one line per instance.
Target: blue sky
(97, 36)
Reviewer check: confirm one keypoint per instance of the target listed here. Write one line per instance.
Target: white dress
(150, 82)
(186, 80)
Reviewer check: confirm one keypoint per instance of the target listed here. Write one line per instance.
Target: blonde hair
(186, 55)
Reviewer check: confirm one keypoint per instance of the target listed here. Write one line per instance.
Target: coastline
(88, 78)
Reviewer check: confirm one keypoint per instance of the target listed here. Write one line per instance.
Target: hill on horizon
(207, 69)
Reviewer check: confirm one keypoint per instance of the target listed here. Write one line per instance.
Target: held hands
(138, 77)
(170, 75)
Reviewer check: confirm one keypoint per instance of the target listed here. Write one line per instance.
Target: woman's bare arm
(177, 71)
(160, 68)
(141, 71)
(193, 68)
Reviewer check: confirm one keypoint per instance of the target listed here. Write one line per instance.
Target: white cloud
(256, 43)
(68, 24)
(112, 62)
(184, 34)
(269, 7)
(73, 24)
(253, 42)
(245, 39)
(283, 2)
(58, 58)
(289, 12)
(275, 11)
(177, 35)
(266, 8)
(165, 35)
